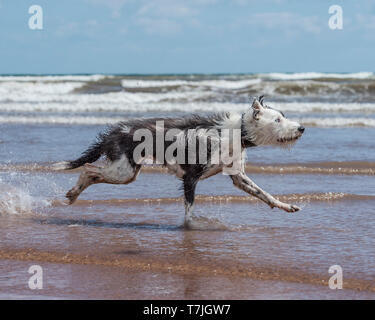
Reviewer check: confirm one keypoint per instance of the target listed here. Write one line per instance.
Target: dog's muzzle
(300, 129)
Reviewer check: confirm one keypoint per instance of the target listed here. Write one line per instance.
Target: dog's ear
(257, 108)
(260, 99)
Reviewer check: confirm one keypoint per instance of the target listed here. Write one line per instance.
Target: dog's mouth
(284, 140)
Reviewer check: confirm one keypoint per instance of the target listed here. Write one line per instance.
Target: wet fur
(260, 125)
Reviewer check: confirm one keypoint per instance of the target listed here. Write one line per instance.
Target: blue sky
(191, 36)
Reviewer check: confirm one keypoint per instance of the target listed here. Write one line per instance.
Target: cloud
(86, 29)
(114, 5)
(290, 24)
(248, 2)
(167, 8)
(168, 17)
(155, 26)
(365, 21)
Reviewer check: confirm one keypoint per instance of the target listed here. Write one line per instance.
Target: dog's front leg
(243, 182)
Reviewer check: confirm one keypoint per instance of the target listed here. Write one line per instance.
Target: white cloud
(168, 17)
(160, 26)
(114, 5)
(366, 21)
(247, 2)
(167, 8)
(287, 22)
(85, 28)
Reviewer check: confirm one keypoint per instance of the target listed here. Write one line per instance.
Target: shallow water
(125, 236)
(139, 221)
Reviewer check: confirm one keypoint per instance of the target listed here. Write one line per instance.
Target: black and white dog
(258, 126)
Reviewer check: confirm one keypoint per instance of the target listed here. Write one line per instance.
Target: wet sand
(127, 242)
(76, 281)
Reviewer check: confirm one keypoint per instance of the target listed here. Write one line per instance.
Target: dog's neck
(245, 142)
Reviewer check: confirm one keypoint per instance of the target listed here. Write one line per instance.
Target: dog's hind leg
(86, 179)
(118, 172)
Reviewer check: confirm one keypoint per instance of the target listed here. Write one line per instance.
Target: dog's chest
(176, 170)
(215, 169)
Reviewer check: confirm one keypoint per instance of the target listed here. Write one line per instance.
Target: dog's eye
(278, 120)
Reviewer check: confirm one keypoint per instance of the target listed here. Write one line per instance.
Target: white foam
(134, 83)
(316, 75)
(311, 107)
(222, 84)
(59, 120)
(230, 84)
(80, 120)
(18, 201)
(117, 103)
(22, 94)
(94, 77)
(62, 93)
(337, 122)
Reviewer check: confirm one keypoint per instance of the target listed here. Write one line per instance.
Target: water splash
(20, 193)
(17, 201)
(206, 223)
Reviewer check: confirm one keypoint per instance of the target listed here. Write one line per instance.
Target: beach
(129, 241)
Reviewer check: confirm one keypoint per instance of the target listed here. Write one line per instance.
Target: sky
(190, 36)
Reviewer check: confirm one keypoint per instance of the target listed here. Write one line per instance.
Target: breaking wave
(317, 75)
(315, 99)
(314, 87)
(113, 103)
(94, 120)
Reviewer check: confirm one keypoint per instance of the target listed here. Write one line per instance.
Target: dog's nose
(301, 129)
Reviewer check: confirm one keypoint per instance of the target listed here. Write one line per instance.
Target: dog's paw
(292, 208)
(285, 206)
(71, 195)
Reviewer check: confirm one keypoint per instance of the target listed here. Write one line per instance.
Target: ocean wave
(229, 89)
(143, 103)
(222, 84)
(316, 75)
(240, 90)
(93, 120)
(337, 122)
(59, 120)
(34, 91)
(54, 78)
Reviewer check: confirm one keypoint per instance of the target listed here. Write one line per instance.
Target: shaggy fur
(260, 125)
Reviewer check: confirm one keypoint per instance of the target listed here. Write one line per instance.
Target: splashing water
(19, 200)
(206, 223)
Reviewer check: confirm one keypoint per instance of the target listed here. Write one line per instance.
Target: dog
(258, 126)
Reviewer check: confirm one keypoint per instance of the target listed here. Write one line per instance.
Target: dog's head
(267, 126)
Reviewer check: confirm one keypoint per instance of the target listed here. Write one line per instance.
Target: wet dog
(125, 149)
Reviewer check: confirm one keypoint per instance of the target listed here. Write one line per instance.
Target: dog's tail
(92, 154)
